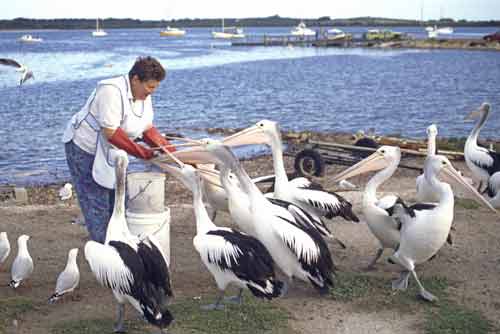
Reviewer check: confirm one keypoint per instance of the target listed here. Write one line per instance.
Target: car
(492, 37)
(382, 35)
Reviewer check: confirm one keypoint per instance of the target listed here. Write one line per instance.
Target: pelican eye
(382, 151)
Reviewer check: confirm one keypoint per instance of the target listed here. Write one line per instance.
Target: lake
(212, 84)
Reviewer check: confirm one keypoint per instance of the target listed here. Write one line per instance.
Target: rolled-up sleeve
(107, 107)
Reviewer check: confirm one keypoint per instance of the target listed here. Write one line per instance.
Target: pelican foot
(212, 307)
(119, 329)
(427, 296)
(284, 289)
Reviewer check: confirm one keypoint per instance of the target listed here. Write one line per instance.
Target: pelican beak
(452, 174)
(249, 136)
(193, 155)
(371, 163)
(210, 176)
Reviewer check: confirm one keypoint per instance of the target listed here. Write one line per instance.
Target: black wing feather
(9, 62)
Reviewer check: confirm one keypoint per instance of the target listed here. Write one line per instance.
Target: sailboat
(98, 31)
(434, 32)
(228, 32)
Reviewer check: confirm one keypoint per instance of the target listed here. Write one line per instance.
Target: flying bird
(68, 279)
(22, 267)
(26, 73)
(4, 247)
(66, 192)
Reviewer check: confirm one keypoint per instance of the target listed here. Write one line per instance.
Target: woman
(118, 111)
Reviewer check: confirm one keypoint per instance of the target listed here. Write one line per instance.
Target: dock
(291, 40)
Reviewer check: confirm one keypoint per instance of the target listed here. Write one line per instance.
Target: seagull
(65, 193)
(4, 247)
(22, 267)
(26, 73)
(68, 279)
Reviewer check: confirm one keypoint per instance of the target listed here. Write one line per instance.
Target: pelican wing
(301, 217)
(109, 268)
(231, 250)
(302, 182)
(9, 62)
(155, 267)
(482, 158)
(303, 244)
(329, 204)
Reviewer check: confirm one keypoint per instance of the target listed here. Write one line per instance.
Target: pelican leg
(402, 282)
(218, 305)
(119, 325)
(236, 299)
(371, 266)
(424, 294)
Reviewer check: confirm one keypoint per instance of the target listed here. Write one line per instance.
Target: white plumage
(22, 267)
(299, 191)
(4, 247)
(231, 257)
(136, 270)
(377, 211)
(66, 192)
(293, 242)
(424, 227)
(424, 191)
(482, 162)
(68, 279)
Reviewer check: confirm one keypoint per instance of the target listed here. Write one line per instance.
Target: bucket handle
(144, 236)
(141, 191)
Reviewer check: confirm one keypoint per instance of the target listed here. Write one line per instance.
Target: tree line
(272, 21)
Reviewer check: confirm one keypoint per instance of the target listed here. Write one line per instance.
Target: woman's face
(142, 89)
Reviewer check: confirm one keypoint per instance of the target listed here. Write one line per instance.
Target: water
(211, 84)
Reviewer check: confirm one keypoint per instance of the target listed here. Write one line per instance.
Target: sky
(470, 10)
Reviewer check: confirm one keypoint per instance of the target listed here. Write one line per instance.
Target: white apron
(134, 123)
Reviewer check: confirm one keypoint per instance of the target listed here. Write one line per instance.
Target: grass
(466, 203)
(11, 309)
(451, 318)
(254, 316)
(371, 294)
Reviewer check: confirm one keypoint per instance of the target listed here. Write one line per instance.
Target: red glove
(153, 138)
(122, 141)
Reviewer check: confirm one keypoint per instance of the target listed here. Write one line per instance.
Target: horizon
(156, 10)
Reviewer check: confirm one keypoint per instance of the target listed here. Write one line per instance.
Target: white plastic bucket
(157, 224)
(146, 192)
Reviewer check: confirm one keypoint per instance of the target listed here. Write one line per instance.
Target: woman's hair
(147, 68)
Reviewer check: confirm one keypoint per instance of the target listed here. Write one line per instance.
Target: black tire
(309, 162)
(365, 142)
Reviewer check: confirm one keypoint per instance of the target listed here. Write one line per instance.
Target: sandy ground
(472, 264)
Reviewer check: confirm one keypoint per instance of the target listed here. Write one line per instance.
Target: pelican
(424, 192)
(299, 191)
(483, 163)
(424, 229)
(68, 279)
(377, 211)
(22, 267)
(4, 247)
(136, 270)
(295, 245)
(231, 257)
(26, 73)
